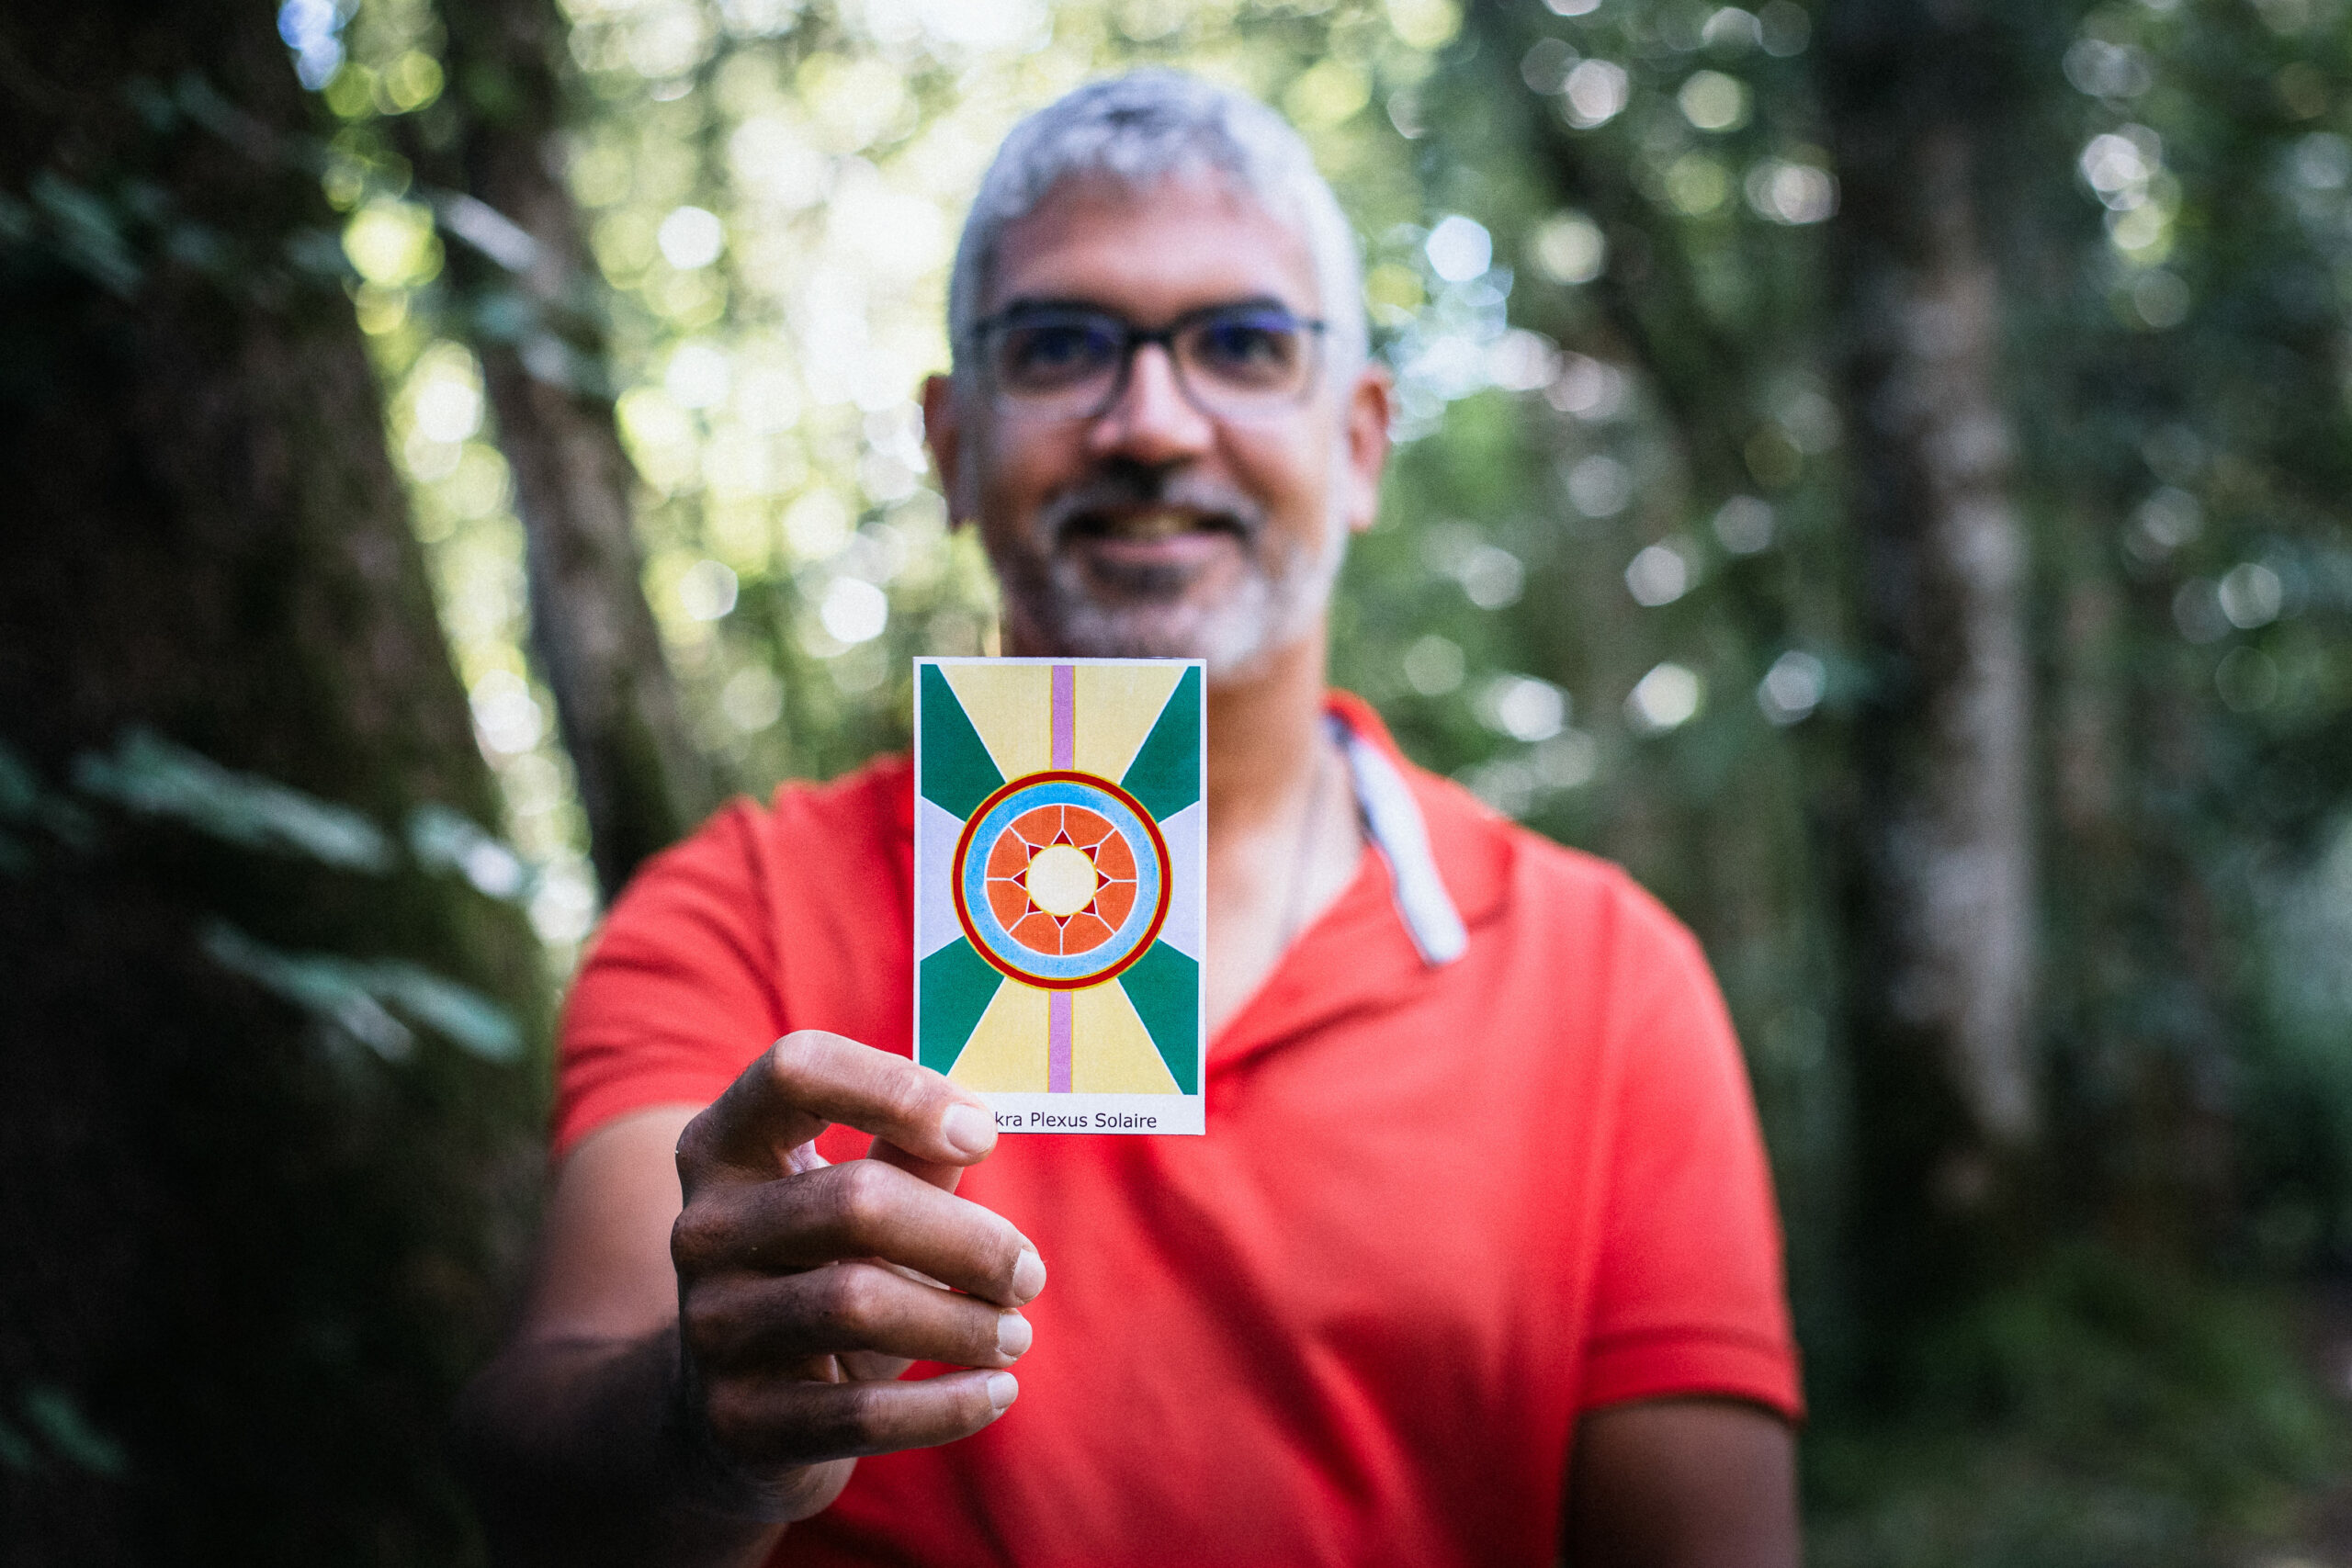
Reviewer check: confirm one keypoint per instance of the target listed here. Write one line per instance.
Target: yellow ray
(1012, 705)
(1007, 1051)
(1111, 1053)
(1117, 706)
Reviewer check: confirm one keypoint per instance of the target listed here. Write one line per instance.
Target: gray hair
(1143, 128)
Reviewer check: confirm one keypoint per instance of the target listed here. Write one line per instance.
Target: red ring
(1159, 849)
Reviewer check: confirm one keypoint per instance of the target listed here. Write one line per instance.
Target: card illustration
(1059, 884)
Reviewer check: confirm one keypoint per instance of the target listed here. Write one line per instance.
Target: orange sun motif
(1060, 879)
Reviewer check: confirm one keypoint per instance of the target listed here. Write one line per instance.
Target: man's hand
(685, 1381)
(806, 1289)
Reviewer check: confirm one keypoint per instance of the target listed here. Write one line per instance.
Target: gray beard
(1052, 601)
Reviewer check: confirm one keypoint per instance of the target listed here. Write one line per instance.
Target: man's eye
(1056, 350)
(1247, 348)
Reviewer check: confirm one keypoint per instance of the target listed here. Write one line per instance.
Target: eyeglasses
(1233, 361)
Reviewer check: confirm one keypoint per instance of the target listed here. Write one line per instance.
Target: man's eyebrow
(1033, 304)
(1030, 304)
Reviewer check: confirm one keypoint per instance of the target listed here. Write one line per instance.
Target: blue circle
(982, 835)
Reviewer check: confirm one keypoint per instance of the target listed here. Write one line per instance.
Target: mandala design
(1061, 880)
(1058, 889)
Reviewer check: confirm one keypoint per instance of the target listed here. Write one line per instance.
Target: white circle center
(1061, 880)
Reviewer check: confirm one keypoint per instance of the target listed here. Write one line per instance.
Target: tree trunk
(1946, 1104)
(534, 309)
(245, 1260)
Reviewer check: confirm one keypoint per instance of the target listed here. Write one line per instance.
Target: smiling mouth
(1151, 525)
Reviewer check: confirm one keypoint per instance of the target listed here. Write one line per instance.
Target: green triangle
(1165, 987)
(1165, 777)
(957, 985)
(957, 771)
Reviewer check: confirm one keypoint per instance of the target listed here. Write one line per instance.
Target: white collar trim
(1400, 833)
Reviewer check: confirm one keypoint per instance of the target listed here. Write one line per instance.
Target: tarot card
(1059, 884)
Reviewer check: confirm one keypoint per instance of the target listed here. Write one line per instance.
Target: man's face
(1153, 528)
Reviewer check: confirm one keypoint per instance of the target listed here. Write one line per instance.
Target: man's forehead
(1152, 250)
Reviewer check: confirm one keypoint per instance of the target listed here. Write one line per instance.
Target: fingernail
(1028, 1275)
(1013, 1334)
(968, 1129)
(1003, 1389)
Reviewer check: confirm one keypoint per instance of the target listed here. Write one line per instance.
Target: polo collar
(1392, 819)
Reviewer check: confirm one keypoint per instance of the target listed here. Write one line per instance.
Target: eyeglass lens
(1240, 363)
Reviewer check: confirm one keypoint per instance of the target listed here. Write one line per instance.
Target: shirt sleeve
(1688, 1295)
(676, 994)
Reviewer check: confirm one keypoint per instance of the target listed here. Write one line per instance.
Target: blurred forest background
(1876, 467)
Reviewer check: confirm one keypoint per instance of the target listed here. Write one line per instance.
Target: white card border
(1189, 1112)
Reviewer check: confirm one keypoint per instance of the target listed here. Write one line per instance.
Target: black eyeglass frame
(1132, 337)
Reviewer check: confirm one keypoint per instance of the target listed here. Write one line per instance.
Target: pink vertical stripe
(1058, 1032)
(1065, 753)
(1065, 716)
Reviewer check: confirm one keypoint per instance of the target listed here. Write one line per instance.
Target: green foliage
(336, 1265)
(2168, 209)
(149, 775)
(55, 1429)
(121, 226)
(247, 1259)
(2095, 1413)
(353, 996)
(52, 1413)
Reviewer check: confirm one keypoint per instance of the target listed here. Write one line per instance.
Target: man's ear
(942, 431)
(1366, 438)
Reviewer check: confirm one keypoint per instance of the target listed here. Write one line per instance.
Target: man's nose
(1152, 420)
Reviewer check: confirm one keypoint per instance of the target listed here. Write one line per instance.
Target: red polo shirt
(1442, 1208)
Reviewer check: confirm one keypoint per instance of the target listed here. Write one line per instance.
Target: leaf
(25, 800)
(154, 777)
(463, 1015)
(20, 790)
(446, 839)
(88, 233)
(333, 989)
(54, 1415)
(356, 995)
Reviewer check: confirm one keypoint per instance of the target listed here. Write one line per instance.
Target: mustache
(1127, 488)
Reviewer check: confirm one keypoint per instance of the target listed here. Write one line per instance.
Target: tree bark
(1944, 922)
(534, 311)
(247, 1259)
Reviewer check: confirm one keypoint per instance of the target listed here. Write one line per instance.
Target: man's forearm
(1683, 1483)
(577, 1458)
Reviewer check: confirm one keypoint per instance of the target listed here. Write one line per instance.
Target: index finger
(810, 1079)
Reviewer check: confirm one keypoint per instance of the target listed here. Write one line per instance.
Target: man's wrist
(704, 1478)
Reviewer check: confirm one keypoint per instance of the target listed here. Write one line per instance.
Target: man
(1477, 1259)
